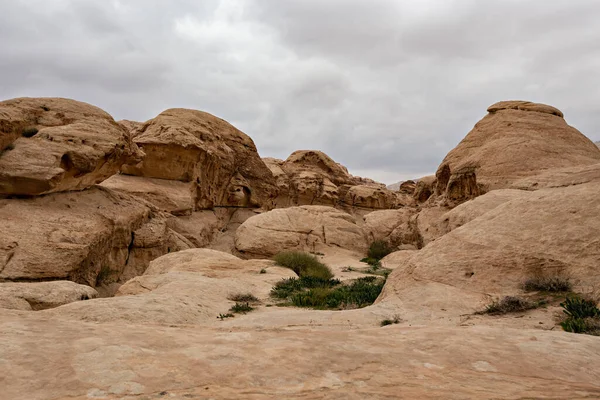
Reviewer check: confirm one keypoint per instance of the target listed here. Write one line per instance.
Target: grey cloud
(385, 87)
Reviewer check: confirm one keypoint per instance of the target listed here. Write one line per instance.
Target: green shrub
(223, 316)
(373, 262)
(288, 286)
(360, 293)
(583, 316)
(303, 264)
(557, 283)
(243, 297)
(577, 307)
(509, 304)
(378, 249)
(241, 308)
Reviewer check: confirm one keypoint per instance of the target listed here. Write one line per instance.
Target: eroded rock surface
(58, 145)
(221, 161)
(91, 237)
(42, 295)
(298, 228)
(517, 139)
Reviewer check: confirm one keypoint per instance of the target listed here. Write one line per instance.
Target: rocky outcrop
(517, 139)
(219, 161)
(42, 295)
(310, 177)
(548, 232)
(398, 228)
(94, 237)
(174, 197)
(54, 145)
(185, 287)
(424, 188)
(298, 228)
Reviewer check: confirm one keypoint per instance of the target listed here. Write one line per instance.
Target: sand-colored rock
(396, 227)
(42, 295)
(298, 228)
(221, 161)
(475, 208)
(58, 145)
(424, 188)
(187, 287)
(370, 197)
(174, 197)
(560, 177)
(517, 139)
(309, 177)
(90, 237)
(113, 361)
(548, 231)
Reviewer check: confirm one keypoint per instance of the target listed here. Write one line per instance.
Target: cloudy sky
(386, 87)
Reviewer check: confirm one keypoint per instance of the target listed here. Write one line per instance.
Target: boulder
(94, 237)
(221, 162)
(54, 145)
(42, 295)
(548, 232)
(396, 227)
(298, 228)
(407, 187)
(517, 139)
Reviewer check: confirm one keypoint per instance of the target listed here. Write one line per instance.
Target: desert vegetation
(303, 264)
(557, 282)
(377, 250)
(510, 304)
(582, 315)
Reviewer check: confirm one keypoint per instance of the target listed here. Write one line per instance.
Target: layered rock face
(94, 237)
(309, 177)
(53, 145)
(517, 139)
(220, 161)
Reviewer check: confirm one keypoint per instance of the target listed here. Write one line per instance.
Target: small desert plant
(243, 297)
(390, 321)
(223, 316)
(509, 304)
(548, 283)
(373, 262)
(378, 249)
(303, 264)
(29, 132)
(263, 271)
(583, 315)
(241, 308)
(578, 307)
(288, 286)
(360, 293)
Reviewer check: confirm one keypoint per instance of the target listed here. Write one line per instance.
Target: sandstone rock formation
(298, 228)
(309, 177)
(92, 237)
(42, 295)
(549, 231)
(221, 162)
(53, 145)
(424, 188)
(396, 227)
(119, 361)
(517, 139)
(185, 287)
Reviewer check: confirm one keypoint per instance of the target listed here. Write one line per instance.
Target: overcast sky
(385, 87)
